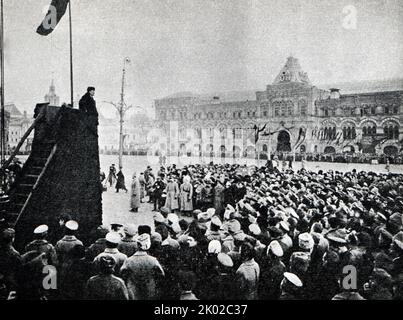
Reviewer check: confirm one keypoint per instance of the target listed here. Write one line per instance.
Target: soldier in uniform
(10, 259)
(41, 245)
(112, 241)
(100, 243)
(158, 188)
(68, 242)
(106, 286)
(128, 245)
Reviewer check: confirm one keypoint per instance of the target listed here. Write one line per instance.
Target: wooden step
(32, 176)
(26, 185)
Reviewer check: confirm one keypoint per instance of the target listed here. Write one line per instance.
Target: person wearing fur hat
(143, 273)
(128, 245)
(379, 286)
(106, 286)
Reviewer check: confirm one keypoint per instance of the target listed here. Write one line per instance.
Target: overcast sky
(196, 45)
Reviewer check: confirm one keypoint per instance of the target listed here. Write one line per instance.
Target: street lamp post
(122, 108)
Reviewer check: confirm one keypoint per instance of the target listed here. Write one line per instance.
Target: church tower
(51, 97)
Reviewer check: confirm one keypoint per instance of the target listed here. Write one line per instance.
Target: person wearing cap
(219, 197)
(30, 277)
(100, 244)
(68, 242)
(143, 183)
(214, 232)
(87, 103)
(247, 275)
(57, 232)
(10, 259)
(169, 259)
(272, 270)
(71, 283)
(135, 198)
(379, 286)
(207, 195)
(128, 245)
(157, 190)
(142, 273)
(41, 245)
(285, 241)
(291, 287)
(112, 241)
(186, 196)
(106, 286)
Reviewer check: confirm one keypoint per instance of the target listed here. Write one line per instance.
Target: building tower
(52, 97)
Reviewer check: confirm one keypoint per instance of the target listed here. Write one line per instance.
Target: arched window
(349, 132)
(264, 148)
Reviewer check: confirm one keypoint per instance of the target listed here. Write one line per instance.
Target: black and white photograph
(210, 150)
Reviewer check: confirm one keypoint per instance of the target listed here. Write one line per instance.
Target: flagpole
(3, 129)
(71, 58)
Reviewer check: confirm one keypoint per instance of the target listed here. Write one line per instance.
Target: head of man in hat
(41, 232)
(112, 240)
(144, 242)
(71, 228)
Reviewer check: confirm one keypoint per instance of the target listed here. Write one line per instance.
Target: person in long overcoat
(143, 183)
(219, 202)
(135, 194)
(120, 184)
(186, 194)
(172, 191)
(143, 273)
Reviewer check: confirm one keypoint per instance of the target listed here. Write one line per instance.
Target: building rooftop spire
(292, 72)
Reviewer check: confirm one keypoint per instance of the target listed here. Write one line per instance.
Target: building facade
(18, 125)
(293, 117)
(138, 134)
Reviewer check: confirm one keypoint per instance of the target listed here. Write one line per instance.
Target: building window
(369, 130)
(264, 113)
(349, 132)
(303, 107)
(391, 130)
(277, 111)
(290, 108)
(395, 109)
(283, 109)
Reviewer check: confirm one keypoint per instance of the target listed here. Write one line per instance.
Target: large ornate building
(294, 117)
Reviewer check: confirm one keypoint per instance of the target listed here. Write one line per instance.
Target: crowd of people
(228, 232)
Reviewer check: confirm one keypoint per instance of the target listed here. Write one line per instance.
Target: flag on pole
(56, 11)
